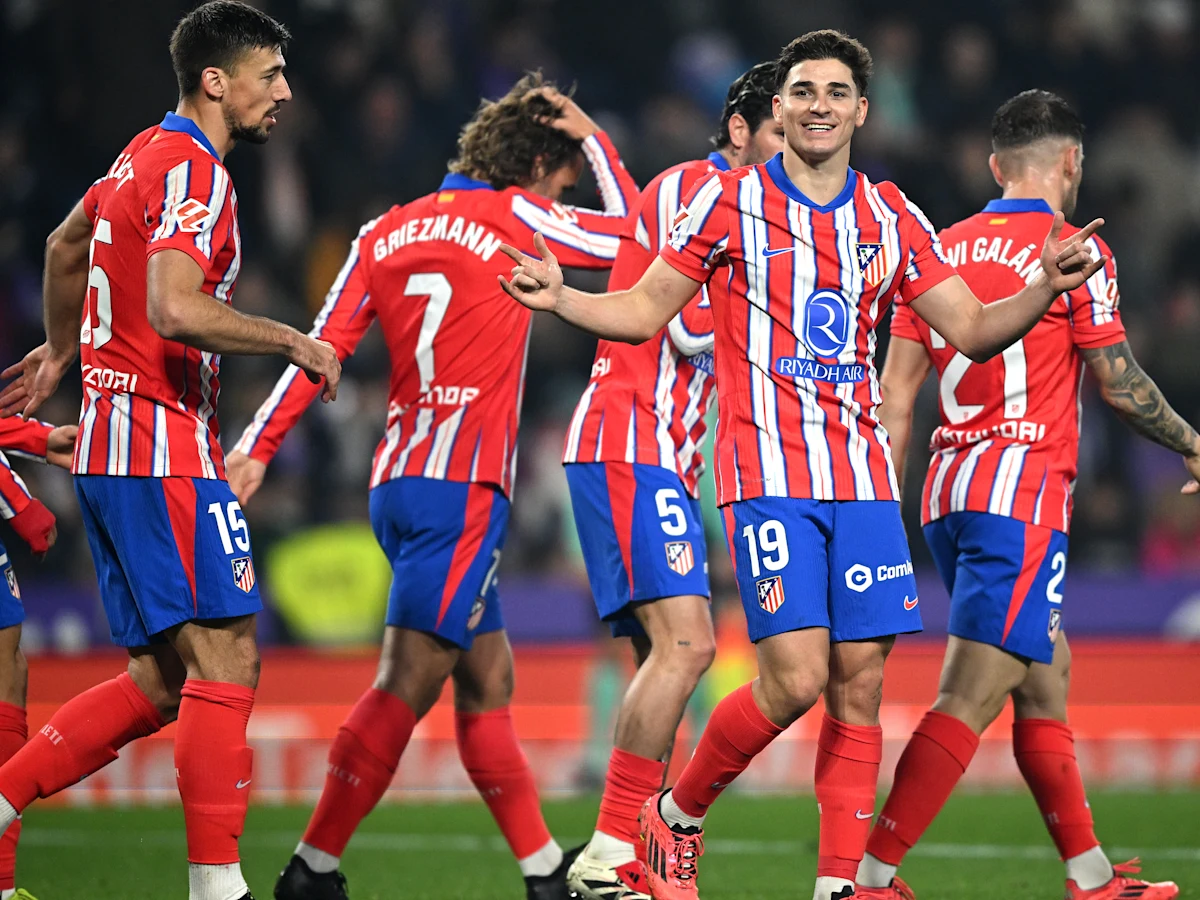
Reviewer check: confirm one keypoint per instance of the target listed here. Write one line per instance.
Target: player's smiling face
(819, 107)
(255, 92)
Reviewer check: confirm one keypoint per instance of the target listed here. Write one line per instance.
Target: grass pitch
(981, 847)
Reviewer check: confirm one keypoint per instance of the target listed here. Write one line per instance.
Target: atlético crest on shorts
(872, 262)
(679, 557)
(11, 577)
(1055, 622)
(476, 614)
(770, 593)
(243, 573)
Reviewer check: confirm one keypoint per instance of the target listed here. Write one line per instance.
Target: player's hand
(319, 360)
(35, 378)
(37, 527)
(573, 121)
(245, 475)
(1069, 263)
(1192, 464)
(60, 446)
(536, 283)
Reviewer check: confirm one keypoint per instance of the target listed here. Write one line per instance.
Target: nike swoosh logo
(767, 254)
(859, 815)
(242, 784)
(913, 604)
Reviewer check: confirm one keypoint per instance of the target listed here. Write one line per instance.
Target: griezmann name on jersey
(150, 404)
(646, 403)
(795, 330)
(1008, 442)
(458, 344)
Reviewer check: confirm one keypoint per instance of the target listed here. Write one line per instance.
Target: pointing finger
(512, 252)
(1089, 229)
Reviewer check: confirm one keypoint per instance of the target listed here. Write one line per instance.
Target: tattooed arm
(1136, 399)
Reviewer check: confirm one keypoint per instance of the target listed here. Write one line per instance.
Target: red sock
(630, 782)
(362, 761)
(1045, 752)
(737, 731)
(846, 774)
(82, 737)
(13, 733)
(213, 767)
(493, 758)
(936, 756)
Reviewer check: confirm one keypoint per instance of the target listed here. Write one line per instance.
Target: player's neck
(819, 180)
(1033, 189)
(208, 119)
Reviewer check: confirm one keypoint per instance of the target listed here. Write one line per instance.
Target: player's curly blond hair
(508, 140)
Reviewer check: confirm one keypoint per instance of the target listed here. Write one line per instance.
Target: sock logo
(859, 814)
(241, 784)
(52, 733)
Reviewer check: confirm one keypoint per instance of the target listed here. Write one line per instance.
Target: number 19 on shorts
(768, 547)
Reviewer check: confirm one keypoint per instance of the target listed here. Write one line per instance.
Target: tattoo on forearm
(1137, 399)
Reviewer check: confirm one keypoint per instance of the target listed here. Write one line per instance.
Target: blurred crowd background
(381, 89)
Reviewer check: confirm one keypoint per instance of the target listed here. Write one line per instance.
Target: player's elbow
(165, 317)
(64, 255)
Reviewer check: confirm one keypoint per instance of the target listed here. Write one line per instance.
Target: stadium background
(381, 89)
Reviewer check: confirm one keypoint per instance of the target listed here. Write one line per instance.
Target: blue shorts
(1005, 580)
(837, 564)
(642, 537)
(167, 551)
(11, 610)
(443, 539)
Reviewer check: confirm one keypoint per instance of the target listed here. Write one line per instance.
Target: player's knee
(474, 695)
(418, 686)
(976, 708)
(790, 694)
(691, 654)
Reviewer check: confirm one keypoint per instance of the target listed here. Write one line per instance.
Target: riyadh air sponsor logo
(828, 323)
(799, 367)
(859, 577)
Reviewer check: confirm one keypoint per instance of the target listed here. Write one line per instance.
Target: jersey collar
(173, 122)
(456, 182)
(718, 161)
(1018, 206)
(775, 169)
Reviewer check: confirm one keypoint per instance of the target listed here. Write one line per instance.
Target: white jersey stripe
(606, 179)
(664, 404)
(391, 440)
(853, 285)
(443, 445)
(962, 480)
(175, 190)
(216, 203)
(601, 246)
(424, 423)
(575, 430)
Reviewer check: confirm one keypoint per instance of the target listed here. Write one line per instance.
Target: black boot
(298, 882)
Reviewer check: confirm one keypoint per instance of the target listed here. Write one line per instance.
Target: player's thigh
(159, 673)
(978, 676)
(14, 671)
(779, 549)
(1008, 590)
(448, 540)
(483, 675)
(872, 589)
(678, 622)
(641, 535)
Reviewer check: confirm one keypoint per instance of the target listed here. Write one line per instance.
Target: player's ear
(212, 83)
(860, 115)
(739, 131)
(997, 174)
(1073, 160)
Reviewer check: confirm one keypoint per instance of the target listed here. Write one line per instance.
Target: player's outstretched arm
(64, 289)
(180, 311)
(1135, 397)
(981, 331)
(904, 372)
(632, 316)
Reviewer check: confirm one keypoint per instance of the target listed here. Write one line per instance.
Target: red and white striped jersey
(1009, 439)
(21, 438)
(150, 404)
(458, 344)
(646, 403)
(795, 328)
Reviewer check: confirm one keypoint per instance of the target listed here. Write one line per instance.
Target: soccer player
(147, 260)
(814, 254)
(35, 525)
(443, 473)
(633, 464)
(997, 503)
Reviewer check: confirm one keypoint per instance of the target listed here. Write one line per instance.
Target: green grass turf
(982, 846)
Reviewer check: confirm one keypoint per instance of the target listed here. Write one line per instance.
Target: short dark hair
(750, 95)
(1032, 116)
(506, 138)
(218, 33)
(826, 44)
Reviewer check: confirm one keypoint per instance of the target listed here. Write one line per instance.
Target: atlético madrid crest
(770, 593)
(679, 557)
(243, 573)
(476, 614)
(1055, 622)
(873, 263)
(11, 576)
